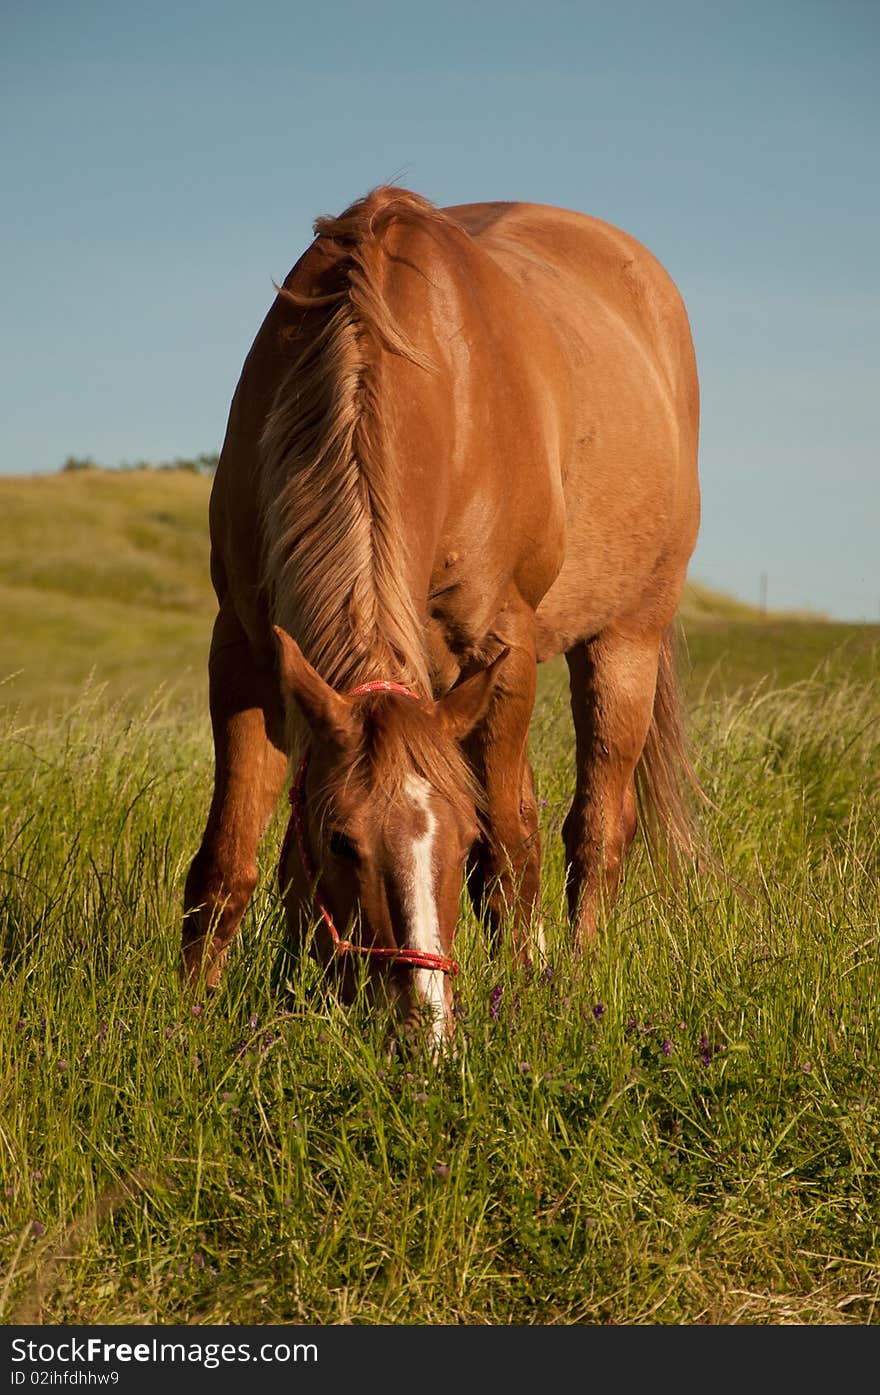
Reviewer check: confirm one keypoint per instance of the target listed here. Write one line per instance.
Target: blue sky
(160, 164)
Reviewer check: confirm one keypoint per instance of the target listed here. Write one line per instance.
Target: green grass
(106, 574)
(682, 1127)
(729, 657)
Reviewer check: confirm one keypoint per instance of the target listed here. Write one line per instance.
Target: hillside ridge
(105, 573)
(141, 537)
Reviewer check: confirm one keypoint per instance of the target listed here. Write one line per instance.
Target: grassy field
(105, 573)
(683, 1127)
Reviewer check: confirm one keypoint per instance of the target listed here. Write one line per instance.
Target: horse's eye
(340, 846)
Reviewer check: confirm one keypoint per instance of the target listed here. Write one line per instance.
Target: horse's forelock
(399, 740)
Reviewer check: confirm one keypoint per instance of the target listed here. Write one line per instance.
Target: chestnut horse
(464, 441)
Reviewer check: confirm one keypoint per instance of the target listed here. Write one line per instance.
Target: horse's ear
(462, 708)
(326, 711)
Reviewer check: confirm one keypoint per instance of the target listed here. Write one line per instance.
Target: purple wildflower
(421, 1097)
(598, 1011)
(548, 974)
(62, 1066)
(38, 1229)
(807, 1067)
(666, 1047)
(525, 1067)
(495, 1001)
(196, 1009)
(705, 1050)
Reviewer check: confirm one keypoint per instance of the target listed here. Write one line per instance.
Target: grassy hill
(680, 1126)
(104, 573)
(104, 577)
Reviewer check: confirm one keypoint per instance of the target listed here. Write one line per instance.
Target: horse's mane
(334, 559)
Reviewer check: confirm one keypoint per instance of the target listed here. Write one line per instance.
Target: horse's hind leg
(250, 766)
(613, 679)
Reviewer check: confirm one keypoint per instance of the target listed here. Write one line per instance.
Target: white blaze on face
(421, 905)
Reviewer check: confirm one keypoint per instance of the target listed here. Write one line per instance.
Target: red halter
(420, 959)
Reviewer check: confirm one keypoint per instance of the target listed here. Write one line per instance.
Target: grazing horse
(463, 441)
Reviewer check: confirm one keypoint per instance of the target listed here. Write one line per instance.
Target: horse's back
(576, 266)
(630, 478)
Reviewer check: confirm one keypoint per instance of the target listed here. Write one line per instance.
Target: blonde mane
(334, 549)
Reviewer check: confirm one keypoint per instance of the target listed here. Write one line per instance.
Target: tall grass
(681, 1127)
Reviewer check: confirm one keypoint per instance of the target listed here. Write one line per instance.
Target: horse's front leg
(250, 765)
(507, 880)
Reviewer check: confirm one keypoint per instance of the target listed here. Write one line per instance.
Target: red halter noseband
(420, 959)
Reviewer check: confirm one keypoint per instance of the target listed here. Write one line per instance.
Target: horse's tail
(667, 786)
